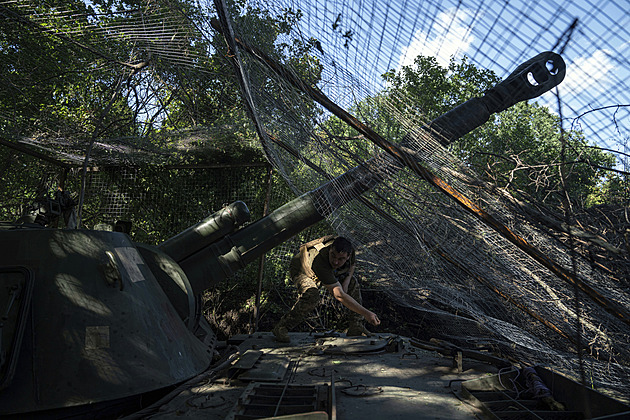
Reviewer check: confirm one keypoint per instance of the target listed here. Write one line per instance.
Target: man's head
(340, 252)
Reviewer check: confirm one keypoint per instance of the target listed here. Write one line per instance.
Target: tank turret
(93, 322)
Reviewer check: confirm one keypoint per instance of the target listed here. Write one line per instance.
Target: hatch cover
(254, 365)
(354, 345)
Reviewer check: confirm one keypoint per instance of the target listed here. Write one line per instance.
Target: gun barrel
(209, 230)
(222, 258)
(529, 80)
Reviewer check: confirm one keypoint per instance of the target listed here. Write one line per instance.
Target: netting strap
(226, 29)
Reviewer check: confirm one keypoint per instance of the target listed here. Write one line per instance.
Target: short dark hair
(342, 244)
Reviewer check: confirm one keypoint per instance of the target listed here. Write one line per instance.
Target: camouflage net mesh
(418, 245)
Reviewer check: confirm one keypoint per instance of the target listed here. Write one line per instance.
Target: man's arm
(346, 281)
(348, 301)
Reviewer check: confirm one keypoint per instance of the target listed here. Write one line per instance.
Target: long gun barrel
(530, 80)
(215, 260)
(214, 249)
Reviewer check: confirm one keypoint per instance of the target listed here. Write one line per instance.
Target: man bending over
(330, 262)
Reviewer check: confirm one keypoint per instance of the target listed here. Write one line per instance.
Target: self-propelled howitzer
(95, 323)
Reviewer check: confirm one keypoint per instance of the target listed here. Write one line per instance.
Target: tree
(520, 148)
(613, 189)
(54, 83)
(96, 74)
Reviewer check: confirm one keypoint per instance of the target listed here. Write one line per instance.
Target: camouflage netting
(499, 273)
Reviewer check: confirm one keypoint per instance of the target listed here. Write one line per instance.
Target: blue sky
(497, 35)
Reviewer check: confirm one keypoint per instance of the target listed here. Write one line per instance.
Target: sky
(592, 37)
(592, 70)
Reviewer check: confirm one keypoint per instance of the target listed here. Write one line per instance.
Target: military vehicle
(97, 326)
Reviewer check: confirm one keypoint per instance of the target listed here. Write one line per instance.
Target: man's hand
(348, 301)
(372, 318)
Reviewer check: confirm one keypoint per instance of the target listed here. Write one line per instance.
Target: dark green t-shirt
(322, 268)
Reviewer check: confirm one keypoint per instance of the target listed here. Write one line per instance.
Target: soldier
(328, 261)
